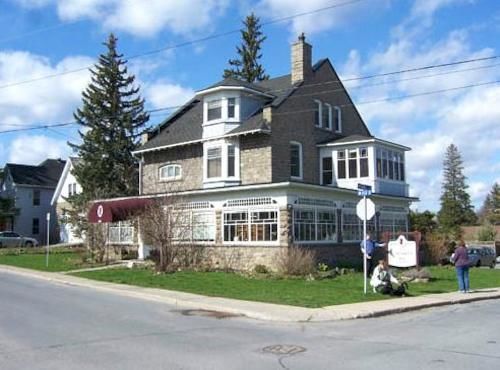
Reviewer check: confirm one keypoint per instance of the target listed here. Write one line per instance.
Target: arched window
(171, 172)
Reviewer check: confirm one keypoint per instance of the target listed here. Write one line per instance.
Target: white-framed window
(341, 164)
(296, 160)
(352, 226)
(314, 224)
(250, 225)
(390, 165)
(337, 119)
(231, 161)
(214, 162)
(170, 172)
(326, 170)
(195, 225)
(318, 112)
(121, 232)
(214, 109)
(363, 162)
(327, 116)
(231, 107)
(353, 163)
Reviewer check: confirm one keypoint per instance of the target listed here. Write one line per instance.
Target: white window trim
(248, 210)
(301, 161)
(339, 116)
(319, 106)
(223, 144)
(171, 178)
(224, 100)
(329, 124)
(321, 169)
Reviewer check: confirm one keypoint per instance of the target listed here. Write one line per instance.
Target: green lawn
(60, 261)
(295, 292)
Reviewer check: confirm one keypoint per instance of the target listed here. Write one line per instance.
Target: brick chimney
(301, 60)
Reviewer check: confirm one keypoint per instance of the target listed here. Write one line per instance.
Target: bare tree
(166, 226)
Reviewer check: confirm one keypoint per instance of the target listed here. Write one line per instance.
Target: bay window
(363, 162)
(341, 165)
(353, 163)
(231, 104)
(231, 161)
(250, 225)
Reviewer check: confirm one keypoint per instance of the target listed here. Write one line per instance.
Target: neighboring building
(262, 166)
(31, 188)
(66, 187)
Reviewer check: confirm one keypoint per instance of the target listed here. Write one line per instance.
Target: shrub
(261, 269)
(436, 248)
(296, 261)
(486, 233)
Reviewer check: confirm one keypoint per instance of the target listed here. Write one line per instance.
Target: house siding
(288, 126)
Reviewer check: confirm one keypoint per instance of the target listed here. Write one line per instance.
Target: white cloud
(43, 101)
(35, 149)
(163, 94)
(141, 18)
(428, 124)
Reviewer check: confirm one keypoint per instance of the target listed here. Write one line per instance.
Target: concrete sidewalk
(265, 311)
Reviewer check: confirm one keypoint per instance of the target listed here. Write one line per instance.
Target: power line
(183, 44)
(424, 93)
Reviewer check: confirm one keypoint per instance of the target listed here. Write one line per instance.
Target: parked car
(481, 256)
(9, 239)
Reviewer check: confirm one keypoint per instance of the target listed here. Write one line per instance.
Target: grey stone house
(32, 188)
(262, 166)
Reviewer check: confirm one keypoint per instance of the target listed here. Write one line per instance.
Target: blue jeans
(463, 278)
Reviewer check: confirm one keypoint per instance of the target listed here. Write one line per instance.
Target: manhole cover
(284, 349)
(209, 313)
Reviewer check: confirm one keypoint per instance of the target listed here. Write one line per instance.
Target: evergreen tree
(490, 211)
(456, 209)
(247, 66)
(422, 221)
(112, 116)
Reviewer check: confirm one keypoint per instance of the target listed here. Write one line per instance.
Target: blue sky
(46, 37)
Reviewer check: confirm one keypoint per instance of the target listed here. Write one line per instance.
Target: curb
(260, 310)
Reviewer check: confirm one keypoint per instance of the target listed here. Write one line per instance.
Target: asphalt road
(52, 326)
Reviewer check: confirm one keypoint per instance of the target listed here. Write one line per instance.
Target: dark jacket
(461, 258)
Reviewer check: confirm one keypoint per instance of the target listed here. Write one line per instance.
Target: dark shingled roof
(46, 174)
(185, 125)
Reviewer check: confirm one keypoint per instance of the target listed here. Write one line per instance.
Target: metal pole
(365, 273)
(48, 241)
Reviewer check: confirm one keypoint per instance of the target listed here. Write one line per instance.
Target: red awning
(116, 210)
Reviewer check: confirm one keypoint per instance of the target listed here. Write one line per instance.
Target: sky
(172, 53)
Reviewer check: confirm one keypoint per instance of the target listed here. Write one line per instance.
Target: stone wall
(255, 159)
(190, 157)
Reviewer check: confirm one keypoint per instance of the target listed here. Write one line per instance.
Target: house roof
(185, 125)
(358, 139)
(46, 174)
(69, 165)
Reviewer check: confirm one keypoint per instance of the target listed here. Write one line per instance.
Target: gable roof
(46, 174)
(70, 163)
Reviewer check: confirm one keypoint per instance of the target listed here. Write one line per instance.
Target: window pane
(341, 169)
(230, 161)
(363, 167)
(317, 112)
(327, 170)
(326, 115)
(337, 118)
(236, 226)
(214, 162)
(295, 160)
(231, 102)
(353, 164)
(304, 225)
(36, 197)
(214, 110)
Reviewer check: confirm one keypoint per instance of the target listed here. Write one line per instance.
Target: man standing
(370, 249)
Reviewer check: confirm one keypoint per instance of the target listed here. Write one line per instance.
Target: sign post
(48, 240)
(365, 210)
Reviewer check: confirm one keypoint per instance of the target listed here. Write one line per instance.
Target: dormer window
(317, 113)
(231, 107)
(170, 172)
(337, 119)
(214, 110)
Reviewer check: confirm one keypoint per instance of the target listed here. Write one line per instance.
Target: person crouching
(382, 281)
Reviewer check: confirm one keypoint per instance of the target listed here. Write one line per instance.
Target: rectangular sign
(402, 252)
